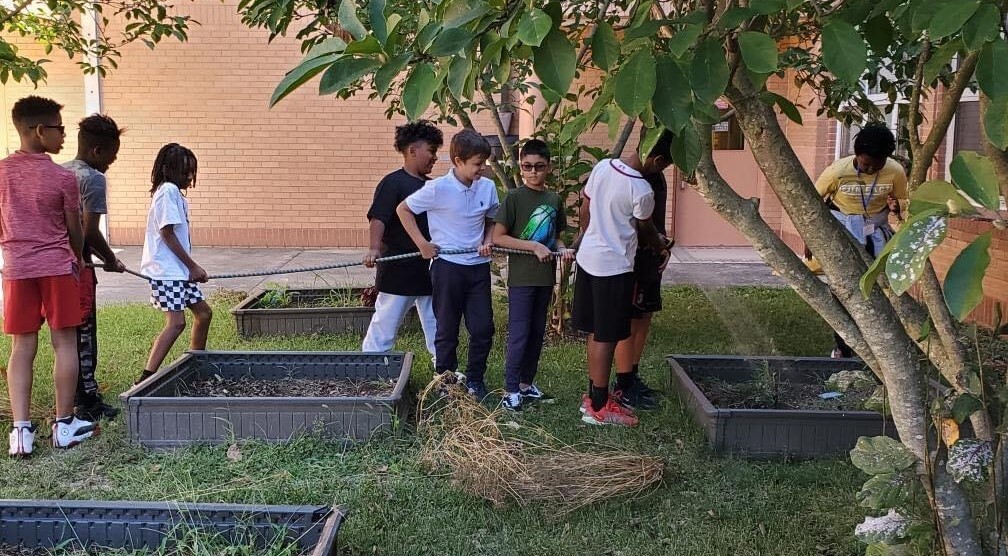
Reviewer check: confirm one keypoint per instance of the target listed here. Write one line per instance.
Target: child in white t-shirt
(166, 259)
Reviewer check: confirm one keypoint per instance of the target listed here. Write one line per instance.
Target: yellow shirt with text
(850, 191)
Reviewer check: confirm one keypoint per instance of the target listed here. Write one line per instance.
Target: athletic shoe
(477, 390)
(535, 394)
(610, 414)
(22, 441)
(836, 354)
(92, 408)
(585, 403)
(635, 397)
(513, 401)
(68, 435)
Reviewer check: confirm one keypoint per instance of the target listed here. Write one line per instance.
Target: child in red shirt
(42, 242)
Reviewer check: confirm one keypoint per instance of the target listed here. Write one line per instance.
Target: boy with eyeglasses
(531, 219)
(42, 242)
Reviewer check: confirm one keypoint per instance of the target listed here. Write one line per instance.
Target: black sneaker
(92, 408)
(635, 397)
(644, 389)
(477, 390)
(535, 394)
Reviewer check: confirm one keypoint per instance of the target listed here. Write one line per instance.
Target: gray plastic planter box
(158, 417)
(46, 524)
(291, 321)
(772, 433)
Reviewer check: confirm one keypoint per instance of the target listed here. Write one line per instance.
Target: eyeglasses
(62, 129)
(534, 167)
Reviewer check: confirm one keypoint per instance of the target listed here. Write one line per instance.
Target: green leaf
(939, 59)
(458, 72)
(534, 25)
(635, 82)
(870, 277)
(686, 150)
(682, 40)
(786, 106)
(376, 15)
(951, 17)
(706, 113)
(939, 195)
(648, 141)
(759, 51)
(767, 7)
(709, 71)
(733, 17)
(887, 490)
(503, 70)
(974, 175)
(888, 529)
(344, 72)
(460, 12)
(880, 33)
(302, 73)
(554, 61)
(992, 69)
(449, 42)
(983, 27)
(912, 245)
(969, 460)
(604, 47)
(996, 122)
(418, 91)
(331, 45)
(672, 102)
(387, 73)
(367, 45)
(965, 405)
(348, 20)
(426, 35)
(844, 51)
(964, 281)
(876, 455)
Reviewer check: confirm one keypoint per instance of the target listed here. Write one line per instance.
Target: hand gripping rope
(340, 265)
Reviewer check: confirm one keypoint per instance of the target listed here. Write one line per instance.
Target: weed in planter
(340, 298)
(276, 296)
(219, 387)
(766, 390)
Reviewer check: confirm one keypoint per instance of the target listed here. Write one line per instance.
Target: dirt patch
(7, 550)
(781, 395)
(216, 387)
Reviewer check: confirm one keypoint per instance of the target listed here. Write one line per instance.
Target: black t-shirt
(660, 188)
(409, 276)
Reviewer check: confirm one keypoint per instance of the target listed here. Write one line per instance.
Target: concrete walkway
(706, 266)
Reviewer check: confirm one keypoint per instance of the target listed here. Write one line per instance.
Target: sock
(624, 380)
(22, 424)
(599, 396)
(65, 420)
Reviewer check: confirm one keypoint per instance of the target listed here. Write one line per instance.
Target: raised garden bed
(773, 433)
(306, 312)
(27, 526)
(162, 412)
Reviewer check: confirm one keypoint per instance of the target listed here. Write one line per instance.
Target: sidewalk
(707, 266)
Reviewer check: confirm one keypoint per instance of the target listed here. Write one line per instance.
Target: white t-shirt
(618, 194)
(168, 207)
(456, 214)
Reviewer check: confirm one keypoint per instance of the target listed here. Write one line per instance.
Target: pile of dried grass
(527, 464)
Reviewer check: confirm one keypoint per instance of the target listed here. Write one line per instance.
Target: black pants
(527, 308)
(87, 336)
(462, 291)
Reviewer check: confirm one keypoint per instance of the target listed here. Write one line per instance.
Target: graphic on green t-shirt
(540, 226)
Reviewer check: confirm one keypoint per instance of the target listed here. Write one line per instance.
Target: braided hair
(175, 164)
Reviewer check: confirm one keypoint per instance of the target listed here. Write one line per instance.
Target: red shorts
(88, 285)
(31, 301)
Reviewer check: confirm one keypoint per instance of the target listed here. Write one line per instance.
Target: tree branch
(7, 17)
(912, 121)
(583, 52)
(462, 115)
(624, 136)
(509, 160)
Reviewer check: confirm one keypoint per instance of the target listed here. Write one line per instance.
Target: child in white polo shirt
(460, 208)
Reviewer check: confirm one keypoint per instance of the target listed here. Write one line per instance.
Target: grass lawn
(705, 506)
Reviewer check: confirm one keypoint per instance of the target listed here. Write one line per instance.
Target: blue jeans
(527, 307)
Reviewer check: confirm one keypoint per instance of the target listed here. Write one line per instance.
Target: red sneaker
(585, 403)
(610, 414)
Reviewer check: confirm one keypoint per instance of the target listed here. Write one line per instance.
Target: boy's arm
(486, 248)
(97, 242)
(76, 234)
(196, 273)
(502, 238)
(376, 230)
(428, 250)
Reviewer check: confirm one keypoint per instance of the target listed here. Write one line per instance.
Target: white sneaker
(22, 441)
(512, 401)
(68, 435)
(836, 354)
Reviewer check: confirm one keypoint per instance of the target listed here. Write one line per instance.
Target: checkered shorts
(174, 295)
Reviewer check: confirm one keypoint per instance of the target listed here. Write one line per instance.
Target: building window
(895, 119)
(727, 135)
(968, 131)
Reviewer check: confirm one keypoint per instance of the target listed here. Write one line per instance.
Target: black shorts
(602, 305)
(647, 283)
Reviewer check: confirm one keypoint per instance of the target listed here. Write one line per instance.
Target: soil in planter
(217, 387)
(7, 550)
(338, 298)
(781, 394)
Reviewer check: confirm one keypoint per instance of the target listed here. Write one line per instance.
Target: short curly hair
(875, 140)
(34, 110)
(98, 130)
(420, 130)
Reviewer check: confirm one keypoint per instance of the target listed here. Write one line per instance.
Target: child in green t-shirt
(531, 219)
